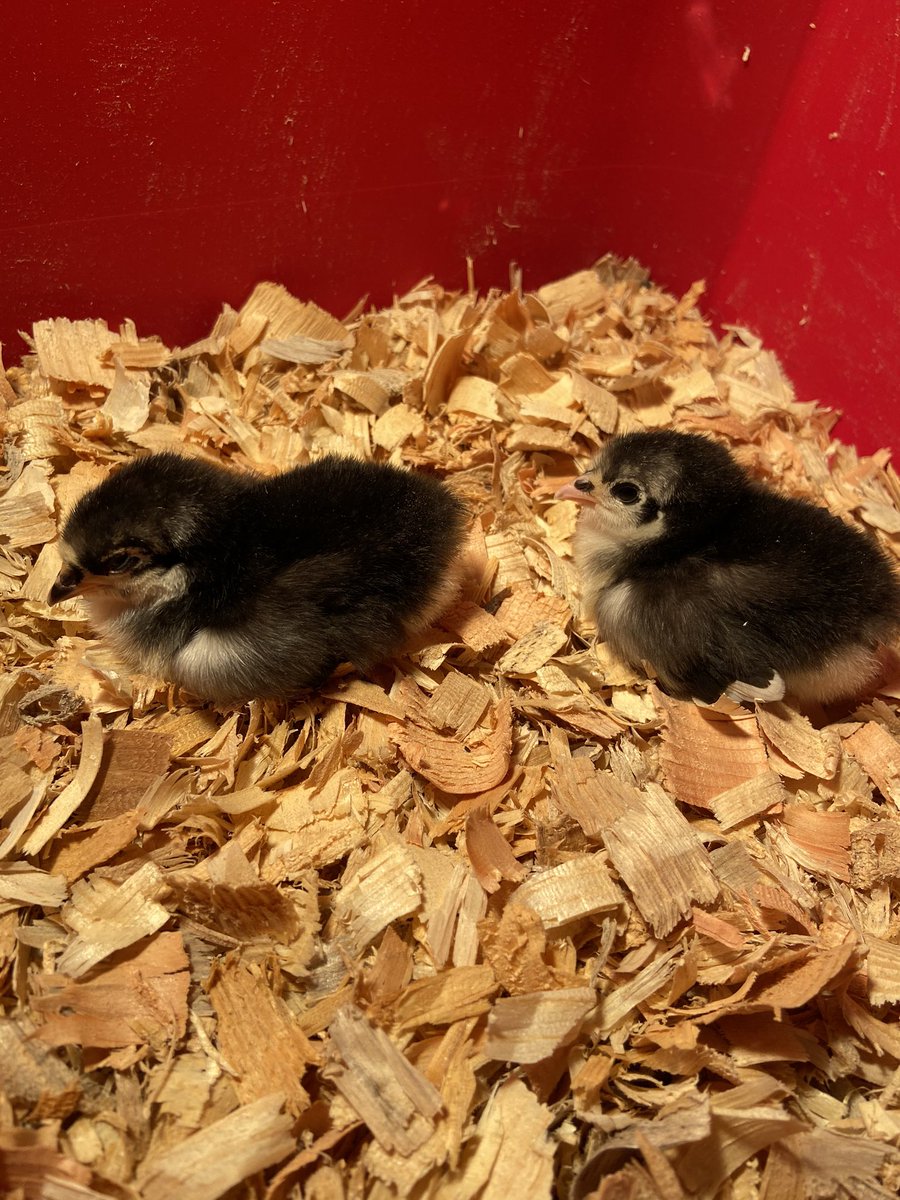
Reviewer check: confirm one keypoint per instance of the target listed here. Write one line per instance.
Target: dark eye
(625, 493)
(117, 564)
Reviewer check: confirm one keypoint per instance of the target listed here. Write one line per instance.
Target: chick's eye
(116, 564)
(625, 493)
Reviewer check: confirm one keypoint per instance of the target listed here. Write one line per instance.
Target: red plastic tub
(162, 158)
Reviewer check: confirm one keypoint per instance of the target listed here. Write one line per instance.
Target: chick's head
(130, 541)
(660, 484)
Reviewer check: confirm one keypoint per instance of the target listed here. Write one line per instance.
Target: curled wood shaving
(269, 1053)
(747, 800)
(516, 947)
(813, 751)
(394, 1100)
(834, 1159)
(883, 1037)
(490, 856)
(577, 888)
(26, 510)
(127, 405)
(533, 650)
(73, 351)
(323, 825)
(458, 766)
(878, 753)
(618, 1003)
(384, 889)
(136, 355)
(285, 316)
(107, 917)
(32, 1169)
(737, 1136)
(824, 838)
(530, 1027)
(798, 982)
(21, 884)
(883, 970)
(217, 1157)
(306, 350)
(367, 696)
(454, 995)
(30, 1074)
(245, 912)
(704, 753)
(140, 997)
(49, 704)
(69, 800)
(514, 1153)
(661, 860)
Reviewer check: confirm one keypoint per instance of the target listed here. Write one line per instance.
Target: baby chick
(239, 586)
(720, 584)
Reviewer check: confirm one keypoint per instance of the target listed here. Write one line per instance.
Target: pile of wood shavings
(498, 920)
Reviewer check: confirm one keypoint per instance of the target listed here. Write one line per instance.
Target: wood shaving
(498, 919)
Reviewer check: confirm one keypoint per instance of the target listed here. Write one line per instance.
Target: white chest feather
(596, 555)
(209, 660)
(614, 608)
(600, 544)
(616, 622)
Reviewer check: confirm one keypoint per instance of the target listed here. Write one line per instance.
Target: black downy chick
(238, 586)
(720, 584)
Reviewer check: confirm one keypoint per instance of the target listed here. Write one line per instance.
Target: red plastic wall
(161, 158)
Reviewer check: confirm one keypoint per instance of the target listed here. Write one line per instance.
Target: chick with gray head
(238, 586)
(719, 585)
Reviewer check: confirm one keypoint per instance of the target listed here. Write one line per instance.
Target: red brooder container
(162, 158)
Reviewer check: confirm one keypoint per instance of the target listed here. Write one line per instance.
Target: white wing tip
(743, 692)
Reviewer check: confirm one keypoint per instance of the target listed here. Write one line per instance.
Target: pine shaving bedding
(500, 919)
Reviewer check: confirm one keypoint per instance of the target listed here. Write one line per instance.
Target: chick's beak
(68, 583)
(581, 490)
